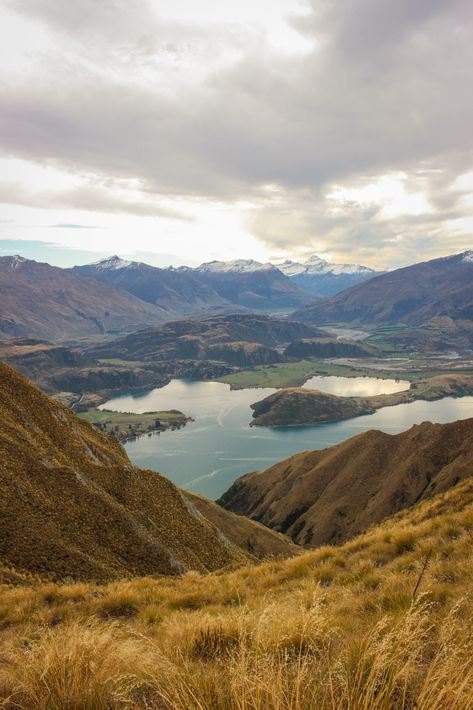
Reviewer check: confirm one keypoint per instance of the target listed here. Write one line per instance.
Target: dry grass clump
(332, 630)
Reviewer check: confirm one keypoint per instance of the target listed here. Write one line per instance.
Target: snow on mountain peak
(112, 262)
(235, 266)
(16, 261)
(468, 257)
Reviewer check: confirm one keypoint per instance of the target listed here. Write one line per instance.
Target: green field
(293, 374)
(124, 425)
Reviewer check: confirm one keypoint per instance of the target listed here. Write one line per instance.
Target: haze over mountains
(417, 294)
(187, 291)
(38, 300)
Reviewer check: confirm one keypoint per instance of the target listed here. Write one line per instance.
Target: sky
(180, 132)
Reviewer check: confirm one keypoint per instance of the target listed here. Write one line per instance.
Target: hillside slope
(179, 293)
(383, 622)
(441, 288)
(42, 301)
(204, 338)
(327, 496)
(71, 503)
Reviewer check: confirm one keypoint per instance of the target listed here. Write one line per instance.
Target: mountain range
(316, 275)
(214, 287)
(114, 295)
(324, 278)
(438, 291)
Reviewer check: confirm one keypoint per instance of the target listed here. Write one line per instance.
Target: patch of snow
(237, 266)
(468, 257)
(316, 265)
(112, 262)
(16, 261)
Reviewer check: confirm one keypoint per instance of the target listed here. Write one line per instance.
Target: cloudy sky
(178, 132)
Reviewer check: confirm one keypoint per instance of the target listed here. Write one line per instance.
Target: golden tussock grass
(381, 623)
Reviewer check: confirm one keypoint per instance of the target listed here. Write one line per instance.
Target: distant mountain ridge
(213, 287)
(440, 290)
(42, 301)
(315, 274)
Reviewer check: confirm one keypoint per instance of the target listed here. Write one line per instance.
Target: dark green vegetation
(124, 425)
(305, 406)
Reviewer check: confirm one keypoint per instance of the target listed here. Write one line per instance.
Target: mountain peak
(112, 262)
(14, 262)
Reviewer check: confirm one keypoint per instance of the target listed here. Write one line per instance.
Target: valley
(349, 489)
(236, 355)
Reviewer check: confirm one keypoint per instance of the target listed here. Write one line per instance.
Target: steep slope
(383, 622)
(265, 289)
(205, 338)
(437, 289)
(178, 293)
(257, 540)
(328, 496)
(42, 301)
(73, 505)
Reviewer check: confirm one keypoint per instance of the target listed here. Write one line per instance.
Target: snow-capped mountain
(238, 266)
(112, 263)
(317, 265)
(325, 278)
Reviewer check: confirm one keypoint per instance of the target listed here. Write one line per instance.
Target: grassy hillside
(317, 497)
(381, 623)
(72, 505)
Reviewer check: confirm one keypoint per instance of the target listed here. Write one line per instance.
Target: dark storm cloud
(386, 87)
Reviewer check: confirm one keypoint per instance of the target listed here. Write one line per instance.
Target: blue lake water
(208, 454)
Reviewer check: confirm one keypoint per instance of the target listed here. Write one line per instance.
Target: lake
(208, 454)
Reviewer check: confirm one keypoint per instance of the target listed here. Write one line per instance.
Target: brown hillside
(43, 301)
(257, 540)
(328, 496)
(73, 505)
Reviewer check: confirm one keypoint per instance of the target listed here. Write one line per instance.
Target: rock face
(441, 288)
(71, 503)
(328, 496)
(42, 301)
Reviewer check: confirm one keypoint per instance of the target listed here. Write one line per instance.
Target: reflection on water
(207, 455)
(355, 386)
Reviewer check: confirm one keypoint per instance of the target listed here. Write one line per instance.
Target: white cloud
(312, 126)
